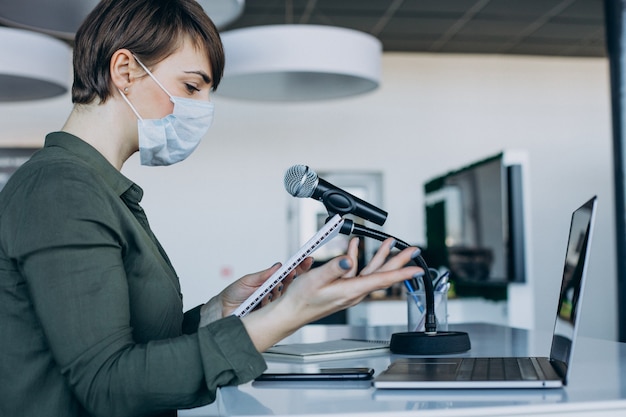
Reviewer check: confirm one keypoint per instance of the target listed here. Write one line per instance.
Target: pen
(419, 305)
(442, 282)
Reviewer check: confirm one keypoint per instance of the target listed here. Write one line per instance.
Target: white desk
(597, 386)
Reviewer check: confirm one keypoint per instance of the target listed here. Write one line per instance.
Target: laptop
(513, 372)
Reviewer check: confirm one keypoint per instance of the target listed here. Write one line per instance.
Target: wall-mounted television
(475, 226)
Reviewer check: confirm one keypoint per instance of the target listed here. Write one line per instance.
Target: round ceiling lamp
(59, 18)
(223, 12)
(34, 66)
(62, 18)
(299, 62)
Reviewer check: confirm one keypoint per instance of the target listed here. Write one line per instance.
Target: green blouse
(91, 320)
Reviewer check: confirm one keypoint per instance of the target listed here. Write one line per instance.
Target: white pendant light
(33, 65)
(299, 62)
(58, 18)
(62, 18)
(36, 66)
(223, 12)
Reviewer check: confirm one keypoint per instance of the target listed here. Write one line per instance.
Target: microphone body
(301, 181)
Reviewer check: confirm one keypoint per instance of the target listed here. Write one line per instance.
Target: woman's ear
(120, 69)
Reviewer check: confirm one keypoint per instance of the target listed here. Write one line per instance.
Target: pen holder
(416, 310)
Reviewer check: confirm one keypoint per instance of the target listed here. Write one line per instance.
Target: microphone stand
(430, 341)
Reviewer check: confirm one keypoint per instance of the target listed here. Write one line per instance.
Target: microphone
(303, 182)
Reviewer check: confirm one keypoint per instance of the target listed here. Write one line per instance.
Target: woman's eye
(191, 88)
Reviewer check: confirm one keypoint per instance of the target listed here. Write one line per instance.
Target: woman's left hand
(237, 292)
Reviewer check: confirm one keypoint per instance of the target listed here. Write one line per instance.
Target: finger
(379, 280)
(304, 266)
(401, 259)
(352, 291)
(287, 282)
(276, 292)
(258, 278)
(267, 299)
(329, 271)
(353, 253)
(269, 271)
(380, 257)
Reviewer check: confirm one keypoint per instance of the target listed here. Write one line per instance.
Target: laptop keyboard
(497, 369)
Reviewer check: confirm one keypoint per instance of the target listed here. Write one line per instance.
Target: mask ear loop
(130, 105)
(152, 76)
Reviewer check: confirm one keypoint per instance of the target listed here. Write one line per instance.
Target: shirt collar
(84, 151)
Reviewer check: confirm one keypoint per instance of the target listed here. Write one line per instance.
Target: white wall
(222, 213)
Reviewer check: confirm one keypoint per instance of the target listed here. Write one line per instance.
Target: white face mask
(174, 137)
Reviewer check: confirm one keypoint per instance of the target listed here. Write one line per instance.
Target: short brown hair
(150, 29)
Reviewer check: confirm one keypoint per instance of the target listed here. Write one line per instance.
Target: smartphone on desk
(323, 374)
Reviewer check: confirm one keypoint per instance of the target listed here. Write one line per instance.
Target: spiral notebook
(327, 350)
(323, 235)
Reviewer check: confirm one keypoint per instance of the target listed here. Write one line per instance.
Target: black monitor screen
(469, 223)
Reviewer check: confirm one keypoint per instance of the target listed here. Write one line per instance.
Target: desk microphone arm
(429, 291)
(429, 342)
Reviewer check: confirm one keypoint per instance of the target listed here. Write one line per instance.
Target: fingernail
(392, 244)
(418, 275)
(345, 263)
(269, 297)
(417, 253)
(280, 287)
(276, 264)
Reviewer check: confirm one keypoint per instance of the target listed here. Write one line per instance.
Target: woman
(90, 306)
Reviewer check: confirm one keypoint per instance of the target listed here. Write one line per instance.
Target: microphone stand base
(420, 343)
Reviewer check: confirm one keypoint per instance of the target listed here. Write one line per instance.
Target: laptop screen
(570, 297)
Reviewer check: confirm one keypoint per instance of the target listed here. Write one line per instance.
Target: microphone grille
(300, 181)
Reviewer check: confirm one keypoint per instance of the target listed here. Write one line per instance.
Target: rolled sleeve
(224, 365)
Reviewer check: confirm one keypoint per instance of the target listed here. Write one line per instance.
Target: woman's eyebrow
(204, 75)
